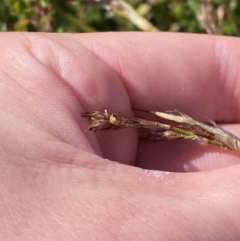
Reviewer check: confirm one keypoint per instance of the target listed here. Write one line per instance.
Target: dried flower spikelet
(114, 120)
(117, 120)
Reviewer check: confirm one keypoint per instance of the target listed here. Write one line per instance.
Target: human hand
(59, 182)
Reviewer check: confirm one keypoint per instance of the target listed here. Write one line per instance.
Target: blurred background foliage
(211, 16)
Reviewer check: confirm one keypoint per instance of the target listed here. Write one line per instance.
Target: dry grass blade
(126, 9)
(210, 17)
(189, 128)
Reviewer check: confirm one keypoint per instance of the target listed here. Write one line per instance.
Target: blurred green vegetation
(101, 15)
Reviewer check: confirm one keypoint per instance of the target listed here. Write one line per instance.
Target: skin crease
(58, 182)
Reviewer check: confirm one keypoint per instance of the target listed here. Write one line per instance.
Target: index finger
(195, 74)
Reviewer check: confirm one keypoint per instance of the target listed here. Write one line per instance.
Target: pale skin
(59, 182)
